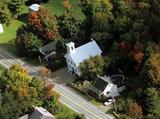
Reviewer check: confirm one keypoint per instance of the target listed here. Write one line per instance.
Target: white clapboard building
(75, 56)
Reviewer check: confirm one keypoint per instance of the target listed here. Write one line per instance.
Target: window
(71, 48)
(107, 92)
(75, 70)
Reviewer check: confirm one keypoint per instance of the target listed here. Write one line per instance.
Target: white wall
(72, 66)
(1, 28)
(111, 90)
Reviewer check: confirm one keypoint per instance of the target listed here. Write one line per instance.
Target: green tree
(104, 40)
(5, 16)
(33, 43)
(121, 25)
(58, 59)
(28, 42)
(16, 7)
(88, 11)
(120, 8)
(151, 70)
(151, 48)
(92, 67)
(101, 22)
(152, 103)
(69, 25)
(19, 91)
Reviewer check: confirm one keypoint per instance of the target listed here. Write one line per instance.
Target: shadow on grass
(11, 48)
(23, 18)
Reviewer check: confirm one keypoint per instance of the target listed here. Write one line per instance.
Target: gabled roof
(34, 7)
(47, 49)
(41, 113)
(84, 52)
(99, 85)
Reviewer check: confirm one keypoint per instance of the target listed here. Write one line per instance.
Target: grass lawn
(57, 8)
(96, 102)
(2, 68)
(64, 112)
(10, 31)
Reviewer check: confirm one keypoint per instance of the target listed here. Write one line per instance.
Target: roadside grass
(34, 62)
(96, 102)
(2, 68)
(65, 111)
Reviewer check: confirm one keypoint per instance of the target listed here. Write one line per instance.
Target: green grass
(10, 31)
(65, 111)
(2, 68)
(95, 102)
(56, 7)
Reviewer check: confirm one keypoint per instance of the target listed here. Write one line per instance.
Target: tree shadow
(23, 17)
(11, 48)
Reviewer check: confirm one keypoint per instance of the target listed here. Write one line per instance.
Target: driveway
(61, 76)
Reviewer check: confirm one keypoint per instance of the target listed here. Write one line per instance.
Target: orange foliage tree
(134, 53)
(134, 110)
(44, 24)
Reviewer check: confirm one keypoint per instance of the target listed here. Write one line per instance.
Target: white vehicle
(109, 101)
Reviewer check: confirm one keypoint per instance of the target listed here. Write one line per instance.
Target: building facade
(75, 56)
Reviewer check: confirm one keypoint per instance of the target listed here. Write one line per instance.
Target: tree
(88, 11)
(16, 7)
(101, 22)
(134, 110)
(69, 25)
(33, 43)
(152, 70)
(44, 24)
(20, 90)
(5, 16)
(152, 103)
(28, 42)
(120, 8)
(104, 40)
(121, 25)
(98, 15)
(151, 48)
(92, 67)
(57, 60)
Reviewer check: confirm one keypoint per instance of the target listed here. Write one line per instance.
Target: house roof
(99, 85)
(84, 52)
(34, 7)
(47, 49)
(40, 113)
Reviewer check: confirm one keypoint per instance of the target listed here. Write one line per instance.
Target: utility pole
(114, 103)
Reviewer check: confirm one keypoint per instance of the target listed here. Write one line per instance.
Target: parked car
(109, 101)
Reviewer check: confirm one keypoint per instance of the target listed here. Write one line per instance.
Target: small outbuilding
(104, 87)
(34, 8)
(1, 28)
(47, 52)
(41, 113)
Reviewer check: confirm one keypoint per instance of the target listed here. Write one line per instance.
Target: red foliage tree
(44, 24)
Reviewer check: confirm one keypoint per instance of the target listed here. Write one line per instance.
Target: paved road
(68, 97)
